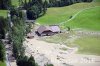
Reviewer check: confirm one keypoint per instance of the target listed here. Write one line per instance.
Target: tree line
(61, 3)
(2, 51)
(3, 29)
(5, 4)
(35, 8)
(17, 35)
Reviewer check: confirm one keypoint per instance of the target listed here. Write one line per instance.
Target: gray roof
(42, 29)
(53, 28)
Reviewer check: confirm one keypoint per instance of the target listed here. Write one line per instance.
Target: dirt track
(44, 52)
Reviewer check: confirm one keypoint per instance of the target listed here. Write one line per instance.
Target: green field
(88, 19)
(3, 13)
(2, 63)
(57, 15)
(89, 45)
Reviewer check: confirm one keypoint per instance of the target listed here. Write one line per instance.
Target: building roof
(42, 29)
(53, 28)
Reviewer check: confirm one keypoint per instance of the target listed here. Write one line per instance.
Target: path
(45, 52)
(51, 52)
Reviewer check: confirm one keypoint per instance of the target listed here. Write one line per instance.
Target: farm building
(48, 30)
(30, 35)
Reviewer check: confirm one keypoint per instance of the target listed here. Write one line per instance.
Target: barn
(48, 30)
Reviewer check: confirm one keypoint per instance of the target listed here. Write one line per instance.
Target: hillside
(72, 40)
(89, 45)
(57, 15)
(88, 19)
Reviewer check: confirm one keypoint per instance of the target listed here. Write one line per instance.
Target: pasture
(57, 15)
(2, 63)
(88, 19)
(89, 45)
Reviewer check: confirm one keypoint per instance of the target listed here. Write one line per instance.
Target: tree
(17, 34)
(60, 3)
(45, 5)
(31, 61)
(2, 51)
(25, 61)
(33, 12)
(22, 61)
(5, 4)
(3, 27)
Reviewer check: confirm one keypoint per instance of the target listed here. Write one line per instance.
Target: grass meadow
(88, 19)
(89, 45)
(3, 13)
(2, 63)
(57, 15)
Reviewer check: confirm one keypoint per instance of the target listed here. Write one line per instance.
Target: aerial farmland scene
(49, 32)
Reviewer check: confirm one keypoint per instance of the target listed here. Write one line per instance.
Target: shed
(30, 35)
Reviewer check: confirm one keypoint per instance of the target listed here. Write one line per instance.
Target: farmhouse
(48, 30)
